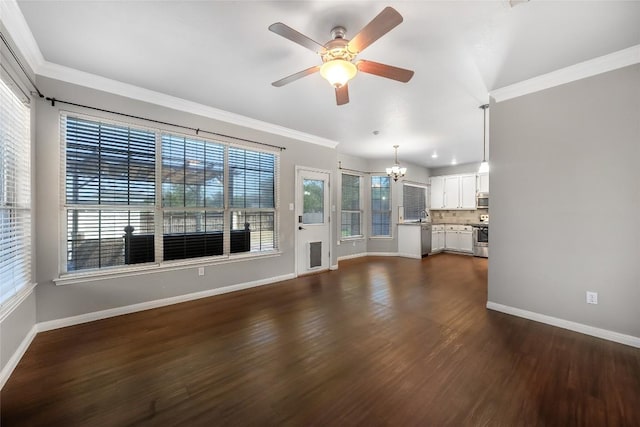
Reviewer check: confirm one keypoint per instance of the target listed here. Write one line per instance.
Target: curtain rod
(54, 100)
(358, 171)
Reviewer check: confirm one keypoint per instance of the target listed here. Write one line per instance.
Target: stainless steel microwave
(482, 200)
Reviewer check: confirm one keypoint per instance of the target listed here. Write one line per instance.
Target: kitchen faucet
(423, 214)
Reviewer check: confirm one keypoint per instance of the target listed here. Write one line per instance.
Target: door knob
(301, 228)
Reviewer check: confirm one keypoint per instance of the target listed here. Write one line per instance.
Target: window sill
(95, 275)
(14, 301)
(381, 238)
(352, 238)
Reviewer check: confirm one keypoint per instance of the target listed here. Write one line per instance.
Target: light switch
(291, 207)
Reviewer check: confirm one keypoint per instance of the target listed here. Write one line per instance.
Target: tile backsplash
(457, 217)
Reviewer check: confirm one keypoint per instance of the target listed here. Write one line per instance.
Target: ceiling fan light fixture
(338, 72)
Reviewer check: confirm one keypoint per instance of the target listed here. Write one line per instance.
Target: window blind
(214, 199)
(351, 215)
(15, 194)
(252, 196)
(414, 201)
(380, 206)
(192, 177)
(110, 192)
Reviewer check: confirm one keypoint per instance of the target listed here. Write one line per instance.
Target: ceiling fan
(339, 54)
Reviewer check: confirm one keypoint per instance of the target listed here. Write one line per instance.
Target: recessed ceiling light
(434, 156)
(454, 162)
(376, 132)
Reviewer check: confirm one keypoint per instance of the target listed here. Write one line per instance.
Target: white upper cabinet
(437, 192)
(453, 192)
(483, 183)
(468, 192)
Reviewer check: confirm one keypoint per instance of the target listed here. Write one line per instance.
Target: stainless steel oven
(481, 240)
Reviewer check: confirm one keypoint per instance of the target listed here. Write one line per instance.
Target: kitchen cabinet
(453, 192)
(483, 183)
(437, 192)
(466, 239)
(437, 238)
(459, 238)
(467, 192)
(414, 239)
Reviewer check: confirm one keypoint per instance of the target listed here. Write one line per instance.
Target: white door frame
(298, 184)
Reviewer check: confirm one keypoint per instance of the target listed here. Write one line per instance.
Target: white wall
(565, 198)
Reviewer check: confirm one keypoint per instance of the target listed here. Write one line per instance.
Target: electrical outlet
(592, 297)
(200, 271)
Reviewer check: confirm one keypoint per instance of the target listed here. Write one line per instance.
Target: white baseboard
(352, 256)
(17, 355)
(363, 254)
(112, 312)
(567, 324)
(333, 267)
(383, 254)
(414, 256)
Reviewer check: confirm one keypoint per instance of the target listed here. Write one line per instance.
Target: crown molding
(592, 67)
(13, 20)
(93, 81)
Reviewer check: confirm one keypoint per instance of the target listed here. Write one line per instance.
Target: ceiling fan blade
(296, 37)
(386, 20)
(342, 95)
(383, 70)
(296, 76)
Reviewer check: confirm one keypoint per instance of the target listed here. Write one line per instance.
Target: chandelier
(396, 171)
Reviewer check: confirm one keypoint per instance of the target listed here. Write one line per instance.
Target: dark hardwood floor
(381, 341)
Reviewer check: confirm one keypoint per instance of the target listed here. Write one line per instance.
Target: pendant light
(396, 171)
(484, 166)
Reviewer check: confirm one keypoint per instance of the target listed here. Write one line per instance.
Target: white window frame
(159, 264)
(380, 236)
(21, 286)
(360, 210)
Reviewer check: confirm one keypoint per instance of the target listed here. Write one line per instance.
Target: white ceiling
(221, 54)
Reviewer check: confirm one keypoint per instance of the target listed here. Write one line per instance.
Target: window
(15, 194)
(351, 222)
(380, 206)
(252, 199)
(192, 197)
(110, 192)
(414, 200)
(213, 199)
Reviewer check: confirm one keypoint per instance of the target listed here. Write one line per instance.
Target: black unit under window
(110, 188)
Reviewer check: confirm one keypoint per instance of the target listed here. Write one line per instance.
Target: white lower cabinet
(466, 239)
(437, 238)
(459, 238)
